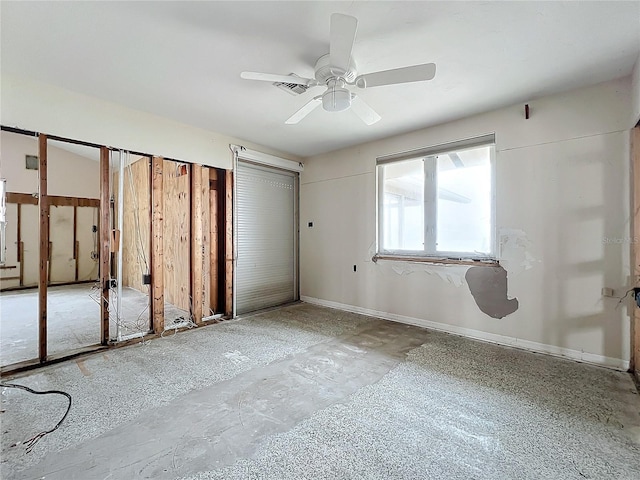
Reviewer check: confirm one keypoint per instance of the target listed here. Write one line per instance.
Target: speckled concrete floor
(73, 319)
(307, 392)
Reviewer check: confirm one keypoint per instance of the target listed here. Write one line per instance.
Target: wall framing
(210, 243)
(44, 252)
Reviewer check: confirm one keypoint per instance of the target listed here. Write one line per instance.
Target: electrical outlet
(607, 292)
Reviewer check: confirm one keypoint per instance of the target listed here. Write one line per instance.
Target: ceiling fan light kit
(337, 97)
(337, 70)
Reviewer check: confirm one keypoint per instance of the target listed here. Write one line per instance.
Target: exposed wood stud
(76, 243)
(157, 264)
(104, 244)
(49, 267)
(44, 253)
(21, 252)
(213, 241)
(206, 243)
(18, 231)
(197, 243)
(228, 279)
(76, 255)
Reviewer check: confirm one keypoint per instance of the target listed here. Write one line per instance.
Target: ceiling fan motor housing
(337, 97)
(325, 71)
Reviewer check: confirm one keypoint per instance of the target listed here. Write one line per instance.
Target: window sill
(438, 261)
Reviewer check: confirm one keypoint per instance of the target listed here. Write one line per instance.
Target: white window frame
(429, 155)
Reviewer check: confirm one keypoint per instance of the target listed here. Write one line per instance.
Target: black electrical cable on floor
(33, 440)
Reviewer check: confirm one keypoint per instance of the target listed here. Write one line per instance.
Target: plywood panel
(136, 224)
(88, 264)
(200, 241)
(61, 229)
(29, 220)
(177, 232)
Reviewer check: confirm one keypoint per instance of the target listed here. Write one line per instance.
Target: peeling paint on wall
(451, 274)
(488, 285)
(515, 251)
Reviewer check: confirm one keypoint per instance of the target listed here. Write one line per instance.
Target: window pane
(403, 206)
(464, 201)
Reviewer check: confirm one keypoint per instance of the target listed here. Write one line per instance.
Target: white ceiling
(182, 60)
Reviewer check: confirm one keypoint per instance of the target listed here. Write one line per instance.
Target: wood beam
(52, 200)
(228, 241)
(44, 253)
(157, 246)
(197, 243)
(73, 201)
(22, 198)
(104, 245)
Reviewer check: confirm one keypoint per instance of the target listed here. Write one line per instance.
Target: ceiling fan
(337, 71)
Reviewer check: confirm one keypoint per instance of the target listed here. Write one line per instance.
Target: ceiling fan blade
(342, 37)
(268, 77)
(415, 73)
(306, 109)
(364, 111)
(455, 158)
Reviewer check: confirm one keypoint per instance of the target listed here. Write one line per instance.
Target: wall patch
(488, 285)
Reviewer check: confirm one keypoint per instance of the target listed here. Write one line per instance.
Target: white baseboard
(600, 360)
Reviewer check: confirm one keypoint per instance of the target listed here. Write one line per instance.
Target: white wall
(635, 87)
(562, 188)
(68, 175)
(40, 107)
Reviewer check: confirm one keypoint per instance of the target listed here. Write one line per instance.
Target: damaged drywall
(488, 285)
(515, 251)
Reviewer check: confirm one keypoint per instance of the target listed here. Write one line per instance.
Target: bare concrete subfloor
(307, 392)
(73, 319)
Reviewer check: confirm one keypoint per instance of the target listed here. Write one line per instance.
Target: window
(438, 201)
